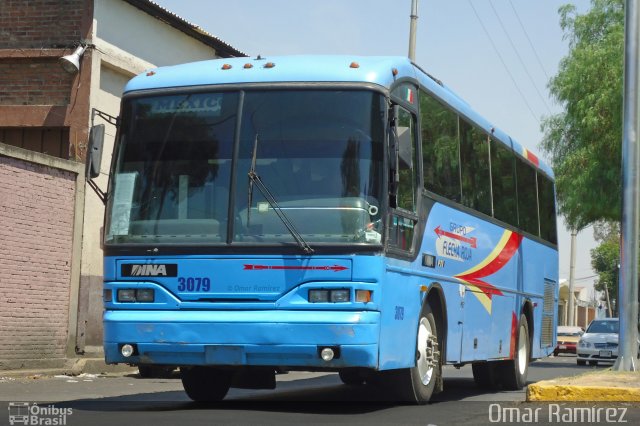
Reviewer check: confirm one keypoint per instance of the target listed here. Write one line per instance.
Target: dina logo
(149, 270)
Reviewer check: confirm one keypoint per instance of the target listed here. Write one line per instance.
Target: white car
(600, 342)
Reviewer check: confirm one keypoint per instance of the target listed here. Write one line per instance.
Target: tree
(605, 259)
(584, 141)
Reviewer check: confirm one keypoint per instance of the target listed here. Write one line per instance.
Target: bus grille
(548, 312)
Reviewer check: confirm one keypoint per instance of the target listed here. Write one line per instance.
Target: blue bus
(323, 213)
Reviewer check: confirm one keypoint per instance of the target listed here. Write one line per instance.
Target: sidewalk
(601, 385)
(92, 362)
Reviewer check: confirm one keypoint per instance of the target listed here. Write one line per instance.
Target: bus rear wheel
(513, 373)
(206, 384)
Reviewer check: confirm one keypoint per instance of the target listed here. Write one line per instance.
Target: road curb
(598, 386)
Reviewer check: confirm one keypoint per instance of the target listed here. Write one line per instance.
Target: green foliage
(584, 141)
(606, 257)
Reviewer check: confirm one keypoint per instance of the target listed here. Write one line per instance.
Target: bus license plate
(605, 354)
(562, 346)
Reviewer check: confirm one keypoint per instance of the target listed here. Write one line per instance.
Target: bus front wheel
(416, 385)
(206, 384)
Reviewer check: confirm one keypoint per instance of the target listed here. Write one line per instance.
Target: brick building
(50, 258)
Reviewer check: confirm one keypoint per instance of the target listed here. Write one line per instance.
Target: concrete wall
(40, 234)
(38, 197)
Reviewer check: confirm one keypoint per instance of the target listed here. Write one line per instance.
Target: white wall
(144, 36)
(128, 41)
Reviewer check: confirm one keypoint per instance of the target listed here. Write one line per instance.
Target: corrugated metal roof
(222, 49)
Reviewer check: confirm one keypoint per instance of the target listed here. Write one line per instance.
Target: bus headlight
(131, 295)
(145, 295)
(126, 295)
(340, 295)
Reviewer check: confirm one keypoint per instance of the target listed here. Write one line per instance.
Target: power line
(526, 69)
(513, 80)
(535, 52)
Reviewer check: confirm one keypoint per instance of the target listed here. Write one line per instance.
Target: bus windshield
(319, 152)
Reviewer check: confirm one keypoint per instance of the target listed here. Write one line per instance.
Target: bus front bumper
(255, 338)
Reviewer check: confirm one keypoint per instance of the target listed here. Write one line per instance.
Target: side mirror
(94, 153)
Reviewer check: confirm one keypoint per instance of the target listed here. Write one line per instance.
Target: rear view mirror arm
(94, 151)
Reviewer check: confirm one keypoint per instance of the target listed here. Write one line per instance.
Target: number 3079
(194, 284)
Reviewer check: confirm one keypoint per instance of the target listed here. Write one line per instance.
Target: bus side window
(474, 157)
(406, 185)
(504, 183)
(546, 199)
(403, 223)
(527, 197)
(440, 150)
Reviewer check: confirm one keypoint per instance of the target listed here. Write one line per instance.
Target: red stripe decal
(334, 268)
(514, 329)
(505, 255)
(533, 158)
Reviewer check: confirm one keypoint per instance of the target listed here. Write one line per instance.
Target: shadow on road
(319, 395)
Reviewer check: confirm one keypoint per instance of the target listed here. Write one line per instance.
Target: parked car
(568, 337)
(600, 342)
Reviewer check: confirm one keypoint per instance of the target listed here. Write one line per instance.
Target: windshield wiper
(254, 178)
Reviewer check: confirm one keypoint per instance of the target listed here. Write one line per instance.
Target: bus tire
(513, 373)
(351, 377)
(417, 384)
(206, 384)
(484, 374)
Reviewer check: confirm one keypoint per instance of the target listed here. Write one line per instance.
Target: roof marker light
(247, 66)
(354, 65)
(150, 73)
(226, 67)
(269, 65)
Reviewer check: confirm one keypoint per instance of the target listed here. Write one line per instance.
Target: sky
(498, 55)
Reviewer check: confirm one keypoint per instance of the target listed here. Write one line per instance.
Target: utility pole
(572, 270)
(628, 281)
(412, 30)
(606, 292)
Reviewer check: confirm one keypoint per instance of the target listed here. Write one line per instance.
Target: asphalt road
(300, 398)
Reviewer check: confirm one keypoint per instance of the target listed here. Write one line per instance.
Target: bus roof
(315, 69)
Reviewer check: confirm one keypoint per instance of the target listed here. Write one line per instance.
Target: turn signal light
(364, 296)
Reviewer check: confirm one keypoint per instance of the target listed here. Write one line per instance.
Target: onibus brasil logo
(26, 413)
